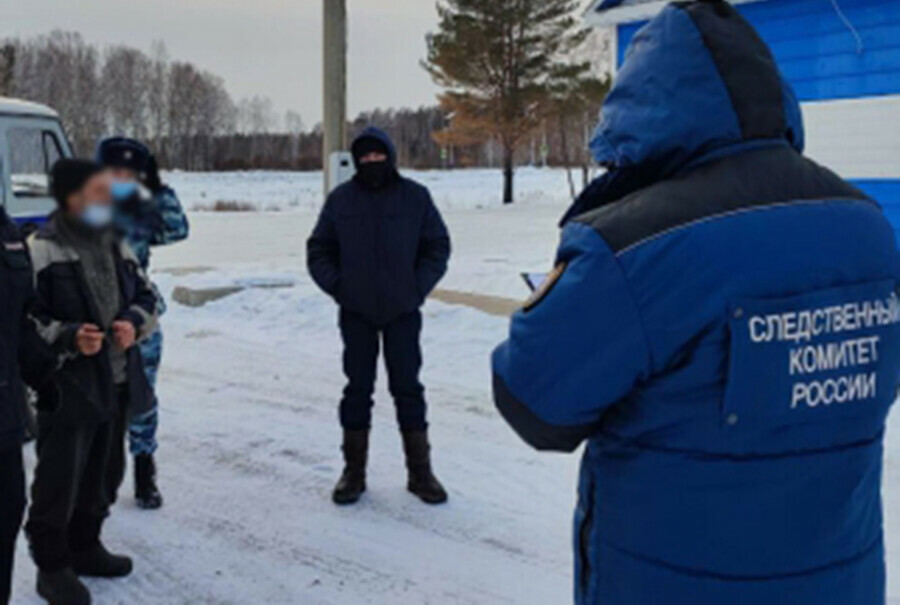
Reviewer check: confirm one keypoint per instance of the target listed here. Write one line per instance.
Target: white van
(31, 140)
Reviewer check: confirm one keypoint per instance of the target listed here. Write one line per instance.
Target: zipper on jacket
(584, 542)
(380, 302)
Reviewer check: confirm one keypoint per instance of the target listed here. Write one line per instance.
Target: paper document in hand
(534, 280)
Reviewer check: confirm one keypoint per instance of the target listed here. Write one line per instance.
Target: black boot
(145, 491)
(62, 588)
(352, 483)
(422, 481)
(97, 562)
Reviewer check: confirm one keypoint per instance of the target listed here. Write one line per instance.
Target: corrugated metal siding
(816, 50)
(626, 33)
(851, 99)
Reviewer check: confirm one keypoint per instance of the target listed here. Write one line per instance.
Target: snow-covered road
(250, 439)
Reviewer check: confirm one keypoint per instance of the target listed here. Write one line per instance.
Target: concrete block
(197, 297)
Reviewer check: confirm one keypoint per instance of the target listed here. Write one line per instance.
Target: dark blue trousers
(403, 359)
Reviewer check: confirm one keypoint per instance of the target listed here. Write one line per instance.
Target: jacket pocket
(50, 398)
(15, 258)
(16, 286)
(68, 399)
(66, 301)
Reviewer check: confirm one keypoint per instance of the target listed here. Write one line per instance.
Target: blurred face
(123, 175)
(92, 202)
(373, 157)
(124, 183)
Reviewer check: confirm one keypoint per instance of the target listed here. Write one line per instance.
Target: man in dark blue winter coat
(722, 332)
(379, 248)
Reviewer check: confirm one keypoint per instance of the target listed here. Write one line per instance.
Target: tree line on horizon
(538, 110)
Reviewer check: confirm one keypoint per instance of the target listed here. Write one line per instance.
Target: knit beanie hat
(69, 175)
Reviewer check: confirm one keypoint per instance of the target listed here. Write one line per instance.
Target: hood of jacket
(697, 82)
(379, 135)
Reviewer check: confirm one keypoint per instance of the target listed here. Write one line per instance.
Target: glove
(151, 178)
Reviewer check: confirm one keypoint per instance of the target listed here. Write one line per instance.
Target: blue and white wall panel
(846, 71)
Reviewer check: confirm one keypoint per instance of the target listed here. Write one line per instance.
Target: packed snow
(250, 440)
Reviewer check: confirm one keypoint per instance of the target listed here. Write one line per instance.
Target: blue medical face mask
(123, 190)
(97, 216)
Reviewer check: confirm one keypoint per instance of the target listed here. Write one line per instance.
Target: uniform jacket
(20, 345)
(158, 222)
(82, 390)
(724, 338)
(379, 253)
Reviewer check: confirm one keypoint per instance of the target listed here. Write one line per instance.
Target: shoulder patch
(545, 288)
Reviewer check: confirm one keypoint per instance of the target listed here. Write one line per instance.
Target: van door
(31, 146)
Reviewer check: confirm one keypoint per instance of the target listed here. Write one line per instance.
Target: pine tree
(572, 103)
(496, 58)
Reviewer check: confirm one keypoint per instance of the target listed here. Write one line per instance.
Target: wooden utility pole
(334, 82)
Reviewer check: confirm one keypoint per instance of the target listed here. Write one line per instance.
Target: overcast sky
(266, 47)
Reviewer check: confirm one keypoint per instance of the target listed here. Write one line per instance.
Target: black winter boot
(97, 562)
(62, 588)
(422, 481)
(145, 491)
(352, 483)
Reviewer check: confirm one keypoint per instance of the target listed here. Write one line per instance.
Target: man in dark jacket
(379, 248)
(93, 304)
(20, 345)
(15, 283)
(724, 335)
(148, 214)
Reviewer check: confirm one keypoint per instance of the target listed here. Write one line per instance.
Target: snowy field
(250, 440)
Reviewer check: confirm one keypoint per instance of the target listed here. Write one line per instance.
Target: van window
(32, 152)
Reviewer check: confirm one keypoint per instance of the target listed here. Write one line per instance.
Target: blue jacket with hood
(379, 253)
(723, 333)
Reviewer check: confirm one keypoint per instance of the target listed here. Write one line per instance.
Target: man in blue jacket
(379, 248)
(723, 333)
(145, 220)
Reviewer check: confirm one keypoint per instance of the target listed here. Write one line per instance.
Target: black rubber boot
(145, 491)
(62, 588)
(422, 481)
(352, 483)
(97, 562)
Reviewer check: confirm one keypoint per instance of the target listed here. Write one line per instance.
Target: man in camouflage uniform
(157, 219)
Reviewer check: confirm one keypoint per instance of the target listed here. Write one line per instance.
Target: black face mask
(375, 175)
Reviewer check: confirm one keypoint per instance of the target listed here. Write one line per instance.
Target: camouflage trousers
(142, 429)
